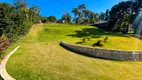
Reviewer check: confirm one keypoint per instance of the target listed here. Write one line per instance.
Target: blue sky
(58, 7)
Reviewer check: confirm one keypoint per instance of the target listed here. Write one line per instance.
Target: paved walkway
(3, 71)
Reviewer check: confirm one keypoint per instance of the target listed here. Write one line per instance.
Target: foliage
(81, 8)
(107, 16)
(85, 21)
(88, 38)
(122, 15)
(67, 17)
(52, 19)
(123, 23)
(84, 40)
(98, 43)
(102, 16)
(105, 38)
(75, 12)
(17, 19)
(85, 16)
(43, 19)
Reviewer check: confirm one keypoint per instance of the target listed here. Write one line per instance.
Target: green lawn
(40, 57)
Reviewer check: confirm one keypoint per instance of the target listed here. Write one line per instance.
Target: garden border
(3, 71)
(121, 55)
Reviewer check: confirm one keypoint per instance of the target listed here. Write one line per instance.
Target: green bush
(88, 38)
(14, 21)
(84, 40)
(105, 38)
(98, 43)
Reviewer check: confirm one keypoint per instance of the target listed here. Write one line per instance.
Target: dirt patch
(4, 43)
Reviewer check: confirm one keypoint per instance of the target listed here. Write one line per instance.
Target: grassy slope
(42, 58)
(119, 43)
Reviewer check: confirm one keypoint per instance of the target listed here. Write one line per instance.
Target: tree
(102, 16)
(6, 16)
(34, 13)
(20, 4)
(86, 13)
(25, 11)
(117, 13)
(139, 3)
(78, 13)
(92, 17)
(43, 19)
(15, 20)
(82, 7)
(52, 19)
(107, 15)
(123, 24)
(86, 21)
(75, 12)
(79, 19)
(66, 17)
(96, 16)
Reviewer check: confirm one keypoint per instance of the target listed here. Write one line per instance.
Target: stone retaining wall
(105, 53)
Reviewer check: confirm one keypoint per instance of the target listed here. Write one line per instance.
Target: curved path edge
(3, 71)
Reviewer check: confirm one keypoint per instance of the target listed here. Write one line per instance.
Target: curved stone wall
(106, 53)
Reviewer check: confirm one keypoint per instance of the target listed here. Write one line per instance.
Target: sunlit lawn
(40, 56)
(118, 43)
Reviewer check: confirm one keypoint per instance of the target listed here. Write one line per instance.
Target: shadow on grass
(97, 33)
(79, 42)
(84, 54)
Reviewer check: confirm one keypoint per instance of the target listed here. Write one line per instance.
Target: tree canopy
(123, 14)
(67, 17)
(15, 20)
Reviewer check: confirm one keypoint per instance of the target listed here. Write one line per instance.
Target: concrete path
(3, 71)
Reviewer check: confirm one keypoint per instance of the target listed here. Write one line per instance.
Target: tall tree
(117, 13)
(82, 7)
(6, 15)
(15, 19)
(20, 4)
(79, 19)
(75, 12)
(78, 13)
(86, 13)
(25, 11)
(107, 15)
(92, 17)
(52, 19)
(102, 16)
(66, 17)
(34, 12)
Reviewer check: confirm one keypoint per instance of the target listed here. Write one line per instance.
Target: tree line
(121, 16)
(16, 19)
(81, 16)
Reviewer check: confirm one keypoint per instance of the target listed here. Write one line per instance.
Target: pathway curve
(3, 72)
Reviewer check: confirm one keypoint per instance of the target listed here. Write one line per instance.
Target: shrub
(84, 40)
(106, 39)
(88, 38)
(98, 43)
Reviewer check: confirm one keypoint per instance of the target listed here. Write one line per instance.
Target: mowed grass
(40, 57)
(73, 34)
(117, 43)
